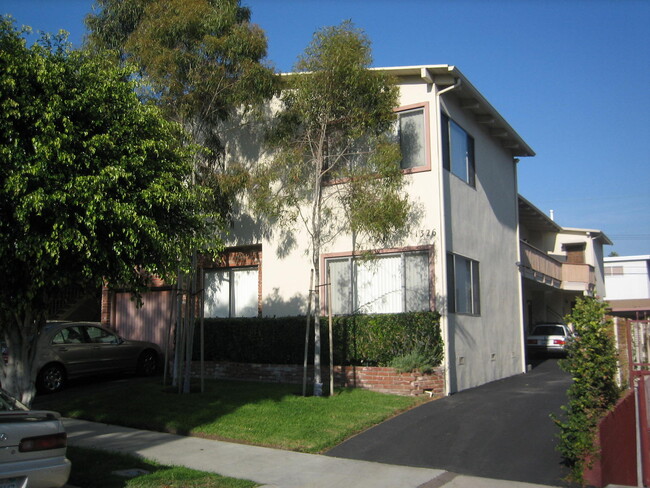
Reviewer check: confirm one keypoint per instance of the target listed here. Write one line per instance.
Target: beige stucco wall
(286, 261)
(594, 252)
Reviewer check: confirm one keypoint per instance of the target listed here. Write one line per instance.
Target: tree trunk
(316, 245)
(318, 380)
(18, 375)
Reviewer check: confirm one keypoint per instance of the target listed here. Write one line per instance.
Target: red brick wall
(617, 440)
(387, 380)
(384, 380)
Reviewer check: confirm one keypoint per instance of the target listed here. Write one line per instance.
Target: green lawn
(97, 469)
(263, 414)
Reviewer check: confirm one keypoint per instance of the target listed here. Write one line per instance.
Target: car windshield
(549, 330)
(8, 403)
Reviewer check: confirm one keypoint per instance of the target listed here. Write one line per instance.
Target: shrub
(591, 360)
(358, 339)
(413, 361)
(378, 339)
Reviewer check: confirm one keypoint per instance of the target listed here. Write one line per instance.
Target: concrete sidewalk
(272, 468)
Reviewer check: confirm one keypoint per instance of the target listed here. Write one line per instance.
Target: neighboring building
(558, 264)
(459, 258)
(628, 286)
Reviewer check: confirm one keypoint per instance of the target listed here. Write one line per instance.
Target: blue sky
(571, 76)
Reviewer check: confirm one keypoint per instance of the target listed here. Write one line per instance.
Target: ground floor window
(387, 283)
(463, 291)
(231, 292)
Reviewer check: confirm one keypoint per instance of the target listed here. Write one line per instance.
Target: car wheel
(148, 363)
(51, 378)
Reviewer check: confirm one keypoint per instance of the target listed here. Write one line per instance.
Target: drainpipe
(449, 88)
(443, 235)
(520, 286)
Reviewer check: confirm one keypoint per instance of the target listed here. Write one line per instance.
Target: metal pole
(304, 368)
(639, 434)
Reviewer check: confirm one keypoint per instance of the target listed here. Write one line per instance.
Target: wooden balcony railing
(539, 266)
(578, 275)
(543, 267)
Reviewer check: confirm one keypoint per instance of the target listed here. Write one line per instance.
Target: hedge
(373, 340)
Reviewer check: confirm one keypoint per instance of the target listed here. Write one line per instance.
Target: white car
(32, 447)
(549, 338)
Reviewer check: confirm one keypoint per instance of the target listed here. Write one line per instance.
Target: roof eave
(473, 100)
(594, 233)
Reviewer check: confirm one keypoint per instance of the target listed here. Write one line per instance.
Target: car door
(70, 347)
(112, 354)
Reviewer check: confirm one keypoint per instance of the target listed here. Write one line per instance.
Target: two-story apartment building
(557, 265)
(460, 256)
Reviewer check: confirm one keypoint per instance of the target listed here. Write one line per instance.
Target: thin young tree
(334, 167)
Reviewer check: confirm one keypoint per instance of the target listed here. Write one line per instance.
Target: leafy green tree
(94, 186)
(334, 169)
(202, 61)
(592, 361)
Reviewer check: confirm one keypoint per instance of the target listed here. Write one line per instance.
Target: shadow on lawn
(145, 403)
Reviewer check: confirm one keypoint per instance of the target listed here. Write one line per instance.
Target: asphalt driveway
(501, 430)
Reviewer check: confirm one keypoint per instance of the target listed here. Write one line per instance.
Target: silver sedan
(68, 350)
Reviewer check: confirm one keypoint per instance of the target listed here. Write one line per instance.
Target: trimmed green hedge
(373, 340)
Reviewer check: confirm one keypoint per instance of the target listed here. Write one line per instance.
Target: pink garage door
(150, 322)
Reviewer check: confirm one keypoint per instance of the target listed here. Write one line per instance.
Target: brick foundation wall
(384, 380)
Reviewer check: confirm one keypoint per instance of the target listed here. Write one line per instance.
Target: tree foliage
(94, 186)
(592, 361)
(202, 61)
(334, 168)
(331, 151)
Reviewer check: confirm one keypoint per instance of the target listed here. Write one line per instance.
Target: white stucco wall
(633, 282)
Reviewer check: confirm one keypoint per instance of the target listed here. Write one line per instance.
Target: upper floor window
(411, 135)
(458, 151)
(575, 253)
(463, 290)
(614, 270)
(411, 132)
(388, 283)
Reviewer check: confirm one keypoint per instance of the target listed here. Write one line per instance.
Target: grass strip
(92, 468)
(265, 414)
